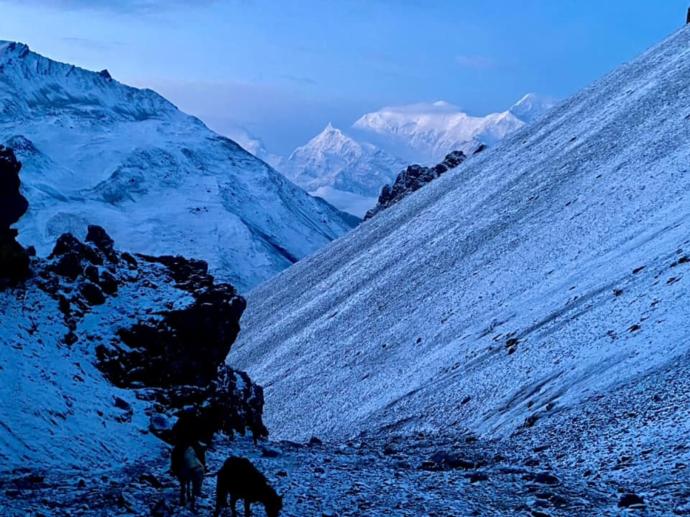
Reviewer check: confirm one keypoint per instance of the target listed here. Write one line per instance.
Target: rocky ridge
(415, 177)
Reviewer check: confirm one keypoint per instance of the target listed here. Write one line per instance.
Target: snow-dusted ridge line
(99, 152)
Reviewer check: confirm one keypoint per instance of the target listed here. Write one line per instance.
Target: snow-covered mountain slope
(538, 292)
(346, 173)
(97, 151)
(425, 133)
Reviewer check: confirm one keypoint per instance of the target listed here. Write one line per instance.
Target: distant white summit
(345, 172)
(349, 170)
(531, 107)
(96, 151)
(424, 133)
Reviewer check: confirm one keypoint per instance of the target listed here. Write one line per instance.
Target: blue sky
(284, 68)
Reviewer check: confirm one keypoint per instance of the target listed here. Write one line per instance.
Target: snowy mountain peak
(96, 151)
(426, 132)
(345, 172)
(531, 107)
(332, 137)
(12, 49)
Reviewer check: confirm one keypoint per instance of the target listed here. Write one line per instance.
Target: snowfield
(537, 294)
(98, 152)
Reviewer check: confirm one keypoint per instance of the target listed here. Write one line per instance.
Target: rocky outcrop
(415, 177)
(14, 259)
(173, 353)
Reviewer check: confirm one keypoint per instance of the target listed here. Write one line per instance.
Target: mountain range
(349, 170)
(96, 151)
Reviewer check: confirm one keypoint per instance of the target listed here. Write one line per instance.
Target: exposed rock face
(413, 178)
(183, 346)
(172, 355)
(14, 259)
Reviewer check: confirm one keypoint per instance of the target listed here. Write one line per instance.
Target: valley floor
(371, 476)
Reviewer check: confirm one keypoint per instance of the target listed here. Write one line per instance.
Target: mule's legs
(221, 497)
(247, 509)
(233, 504)
(183, 493)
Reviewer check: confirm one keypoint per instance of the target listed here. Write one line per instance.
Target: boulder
(183, 346)
(631, 500)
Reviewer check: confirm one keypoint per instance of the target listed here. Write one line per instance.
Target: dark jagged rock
(14, 259)
(69, 266)
(631, 500)
(108, 283)
(413, 178)
(230, 403)
(103, 242)
(180, 346)
(92, 293)
(68, 244)
(189, 274)
(173, 355)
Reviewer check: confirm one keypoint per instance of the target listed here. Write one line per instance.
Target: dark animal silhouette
(188, 464)
(687, 20)
(14, 259)
(239, 479)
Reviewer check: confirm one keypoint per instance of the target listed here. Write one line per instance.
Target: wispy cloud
(475, 62)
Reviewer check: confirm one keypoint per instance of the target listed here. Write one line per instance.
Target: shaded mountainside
(101, 350)
(536, 294)
(96, 151)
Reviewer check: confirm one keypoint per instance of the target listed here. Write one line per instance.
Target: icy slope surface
(548, 273)
(341, 170)
(96, 151)
(425, 133)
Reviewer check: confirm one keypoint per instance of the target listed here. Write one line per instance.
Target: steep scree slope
(543, 286)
